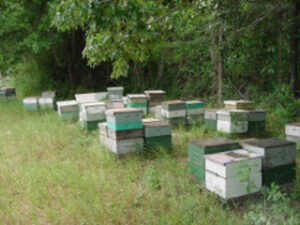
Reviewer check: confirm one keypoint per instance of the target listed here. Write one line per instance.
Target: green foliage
(275, 208)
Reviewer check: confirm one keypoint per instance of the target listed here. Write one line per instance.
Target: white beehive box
(47, 102)
(68, 110)
(115, 93)
(31, 103)
(125, 146)
(157, 128)
(90, 97)
(293, 129)
(173, 114)
(275, 152)
(93, 111)
(157, 112)
(233, 174)
(238, 104)
(232, 121)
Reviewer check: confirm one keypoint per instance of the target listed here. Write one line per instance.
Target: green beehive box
(124, 119)
(91, 125)
(256, 127)
(280, 175)
(152, 143)
(210, 119)
(199, 147)
(68, 110)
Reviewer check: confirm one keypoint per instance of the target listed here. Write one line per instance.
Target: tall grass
(52, 172)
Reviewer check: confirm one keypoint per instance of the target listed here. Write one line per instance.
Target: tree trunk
(294, 47)
(220, 63)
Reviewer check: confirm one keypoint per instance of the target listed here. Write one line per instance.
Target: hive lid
(68, 102)
(123, 110)
(228, 112)
(194, 102)
(268, 143)
(115, 88)
(90, 97)
(296, 124)
(136, 96)
(235, 102)
(157, 124)
(224, 158)
(94, 104)
(155, 92)
(211, 142)
(173, 102)
(149, 120)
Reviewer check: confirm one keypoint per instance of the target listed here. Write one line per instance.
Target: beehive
(292, 132)
(115, 93)
(238, 104)
(92, 114)
(115, 104)
(138, 101)
(157, 134)
(232, 121)
(257, 122)
(210, 119)
(124, 119)
(174, 112)
(278, 157)
(31, 103)
(7, 93)
(233, 174)
(194, 112)
(157, 112)
(68, 110)
(155, 98)
(47, 100)
(198, 148)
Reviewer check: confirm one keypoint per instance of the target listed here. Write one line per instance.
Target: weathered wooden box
(280, 175)
(199, 147)
(115, 93)
(124, 119)
(292, 132)
(115, 104)
(157, 128)
(194, 107)
(233, 174)
(7, 93)
(157, 112)
(155, 97)
(47, 102)
(257, 122)
(275, 152)
(174, 112)
(238, 104)
(210, 119)
(124, 146)
(175, 105)
(31, 103)
(93, 111)
(232, 121)
(138, 101)
(68, 110)
(125, 134)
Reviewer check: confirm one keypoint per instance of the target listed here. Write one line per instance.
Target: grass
(52, 172)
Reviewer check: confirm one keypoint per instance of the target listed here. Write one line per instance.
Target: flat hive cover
(70, 102)
(268, 143)
(155, 92)
(212, 142)
(157, 124)
(122, 110)
(235, 102)
(224, 158)
(137, 96)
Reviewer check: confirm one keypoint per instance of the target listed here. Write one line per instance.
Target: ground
(53, 172)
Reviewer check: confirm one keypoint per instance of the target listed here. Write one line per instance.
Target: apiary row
(238, 117)
(232, 170)
(46, 101)
(125, 132)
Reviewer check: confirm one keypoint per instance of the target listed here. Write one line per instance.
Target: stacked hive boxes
(68, 110)
(123, 132)
(210, 119)
(138, 101)
(115, 93)
(31, 103)
(155, 98)
(47, 100)
(194, 111)
(278, 159)
(88, 98)
(92, 114)
(240, 117)
(233, 174)
(7, 93)
(232, 121)
(292, 132)
(198, 148)
(174, 112)
(157, 134)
